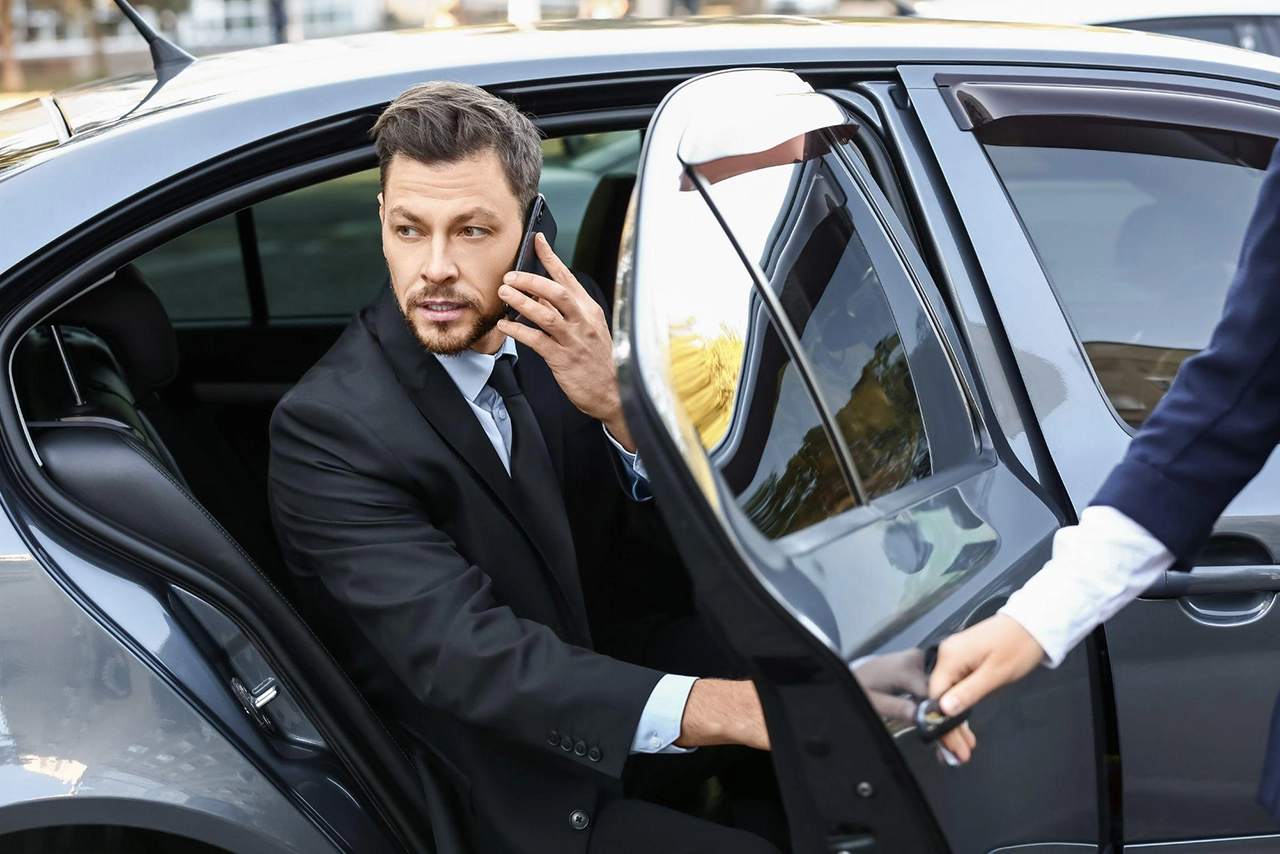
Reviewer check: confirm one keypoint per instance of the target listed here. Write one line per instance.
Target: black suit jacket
(461, 618)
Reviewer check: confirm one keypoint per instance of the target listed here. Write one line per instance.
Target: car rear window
(1139, 229)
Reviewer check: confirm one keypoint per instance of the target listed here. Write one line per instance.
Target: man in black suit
(441, 484)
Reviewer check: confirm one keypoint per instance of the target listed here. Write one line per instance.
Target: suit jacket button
(553, 738)
(594, 754)
(580, 748)
(566, 744)
(579, 820)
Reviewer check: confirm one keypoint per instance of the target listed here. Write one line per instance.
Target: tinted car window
(200, 275)
(747, 404)
(572, 169)
(793, 220)
(320, 247)
(1138, 229)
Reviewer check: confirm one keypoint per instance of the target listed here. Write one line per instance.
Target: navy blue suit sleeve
(1220, 421)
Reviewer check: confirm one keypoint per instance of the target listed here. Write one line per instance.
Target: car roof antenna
(166, 57)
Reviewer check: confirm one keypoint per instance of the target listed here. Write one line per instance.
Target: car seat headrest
(128, 315)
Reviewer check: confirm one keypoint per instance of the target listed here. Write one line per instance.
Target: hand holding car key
(897, 686)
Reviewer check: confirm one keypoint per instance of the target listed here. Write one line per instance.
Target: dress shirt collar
(470, 370)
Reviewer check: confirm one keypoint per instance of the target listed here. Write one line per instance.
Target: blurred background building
(48, 44)
(55, 43)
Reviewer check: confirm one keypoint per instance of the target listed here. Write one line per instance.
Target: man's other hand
(981, 659)
(894, 682)
(572, 337)
(723, 711)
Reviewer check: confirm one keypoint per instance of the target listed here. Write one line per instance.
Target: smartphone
(540, 222)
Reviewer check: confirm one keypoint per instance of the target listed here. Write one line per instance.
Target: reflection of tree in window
(882, 425)
(808, 490)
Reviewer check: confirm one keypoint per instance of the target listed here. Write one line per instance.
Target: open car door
(819, 447)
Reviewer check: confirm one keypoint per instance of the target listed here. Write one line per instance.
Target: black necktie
(530, 462)
(535, 482)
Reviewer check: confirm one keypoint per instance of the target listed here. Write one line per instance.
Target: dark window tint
(200, 275)
(585, 171)
(321, 247)
(793, 220)
(781, 465)
(1139, 229)
(732, 376)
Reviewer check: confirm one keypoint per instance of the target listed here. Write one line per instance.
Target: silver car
(884, 321)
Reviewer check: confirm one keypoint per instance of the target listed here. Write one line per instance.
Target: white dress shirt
(1098, 567)
(663, 713)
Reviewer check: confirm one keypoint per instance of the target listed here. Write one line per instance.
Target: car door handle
(1204, 580)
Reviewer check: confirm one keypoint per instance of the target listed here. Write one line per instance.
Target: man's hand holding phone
(572, 336)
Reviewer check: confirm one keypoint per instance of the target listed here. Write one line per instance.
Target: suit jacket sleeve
(1220, 421)
(346, 512)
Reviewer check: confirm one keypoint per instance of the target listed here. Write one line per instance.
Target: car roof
(559, 48)
(1091, 11)
(130, 134)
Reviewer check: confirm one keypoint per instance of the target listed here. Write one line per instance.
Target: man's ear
(381, 216)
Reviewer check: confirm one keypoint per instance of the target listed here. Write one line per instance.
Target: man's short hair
(443, 122)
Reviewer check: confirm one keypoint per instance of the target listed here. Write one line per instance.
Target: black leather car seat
(110, 358)
(110, 467)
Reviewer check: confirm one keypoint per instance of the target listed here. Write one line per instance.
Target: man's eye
(473, 231)
(406, 231)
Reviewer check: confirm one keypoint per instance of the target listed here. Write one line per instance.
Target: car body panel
(81, 716)
(1164, 655)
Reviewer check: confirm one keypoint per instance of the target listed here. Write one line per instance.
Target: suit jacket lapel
(435, 395)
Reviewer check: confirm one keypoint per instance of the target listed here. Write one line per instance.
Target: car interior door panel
(757, 224)
(1132, 191)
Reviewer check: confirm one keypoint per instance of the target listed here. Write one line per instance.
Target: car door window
(793, 220)
(1138, 228)
(316, 252)
(745, 399)
(200, 275)
(321, 247)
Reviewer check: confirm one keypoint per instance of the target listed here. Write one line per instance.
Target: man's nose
(438, 265)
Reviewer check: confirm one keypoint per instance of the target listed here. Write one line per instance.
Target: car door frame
(732, 590)
(1065, 395)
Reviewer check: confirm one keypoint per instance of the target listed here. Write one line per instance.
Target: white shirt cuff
(662, 716)
(636, 471)
(1098, 567)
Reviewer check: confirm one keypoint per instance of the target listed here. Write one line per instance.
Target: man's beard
(456, 341)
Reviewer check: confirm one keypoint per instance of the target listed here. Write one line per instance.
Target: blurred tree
(10, 70)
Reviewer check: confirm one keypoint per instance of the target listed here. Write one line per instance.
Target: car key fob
(932, 724)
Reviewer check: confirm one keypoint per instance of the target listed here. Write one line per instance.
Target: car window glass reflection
(729, 370)
(1139, 230)
(792, 219)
